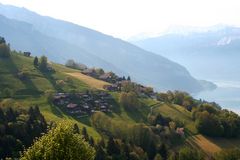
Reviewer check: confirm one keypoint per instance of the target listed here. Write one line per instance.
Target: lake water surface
(227, 95)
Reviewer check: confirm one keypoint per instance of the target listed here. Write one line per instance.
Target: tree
(158, 157)
(35, 61)
(163, 151)
(209, 124)
(10, 115)
(100, 153)
(4, 50)
(91, 141)
(112, 147)
(129, 78)
(43, 65)
(72, 64)
(2, 40)
(85, 134)
(189, 154)
(99, 71)
(60, 143)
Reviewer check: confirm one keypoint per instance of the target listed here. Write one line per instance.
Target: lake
(227, 95)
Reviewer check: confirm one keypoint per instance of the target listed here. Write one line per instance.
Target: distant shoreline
(227, 95)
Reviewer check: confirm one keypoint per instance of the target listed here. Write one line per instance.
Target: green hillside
(31, 91)
(155, 121)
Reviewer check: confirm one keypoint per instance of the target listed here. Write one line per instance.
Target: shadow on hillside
(29, 87)
(85, 120)
(136, 115)
(56, 111)
(52, 80)
(115, 107)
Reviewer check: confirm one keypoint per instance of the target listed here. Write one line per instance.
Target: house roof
(89, 70)
(71, 105)
(106, 76)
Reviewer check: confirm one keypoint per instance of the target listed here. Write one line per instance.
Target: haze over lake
(227, 95)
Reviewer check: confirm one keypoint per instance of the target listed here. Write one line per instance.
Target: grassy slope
(31, 92)
(177, 113)
(89, 80)
(208, 145)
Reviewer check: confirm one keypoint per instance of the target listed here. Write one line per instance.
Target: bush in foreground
(62, 142)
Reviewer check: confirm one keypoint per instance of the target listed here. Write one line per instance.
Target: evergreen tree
(10, 115)
(2, 40)
(43, 63)
(76, 129)
(151, 150)
(100, 153)
(91, 141)
(2, 116)
(35, 61)
(112, 147)
(126, 150)
(163, 151)
(85, 134)
(129, 78)
(4, 50)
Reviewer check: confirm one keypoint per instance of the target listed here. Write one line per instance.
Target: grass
(177, 113)
(30, 92)
(95, 83)
(37, 82)
(210, 146)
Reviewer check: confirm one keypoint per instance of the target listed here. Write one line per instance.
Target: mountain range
(61, 40)
(203, 51)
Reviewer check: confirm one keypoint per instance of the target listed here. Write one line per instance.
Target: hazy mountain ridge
(111, 53)
(203, 53)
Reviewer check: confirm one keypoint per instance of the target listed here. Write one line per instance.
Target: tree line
(18, 129)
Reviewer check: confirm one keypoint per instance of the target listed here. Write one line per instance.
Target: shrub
(61, 142)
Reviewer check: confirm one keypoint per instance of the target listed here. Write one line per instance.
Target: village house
(27, 54)
(90, 72)
(71, 105)
(180, 131)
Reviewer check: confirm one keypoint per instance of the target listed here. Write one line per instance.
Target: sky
(127, 18)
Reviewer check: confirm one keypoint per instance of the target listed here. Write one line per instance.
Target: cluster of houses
(107, 77)
(124, 85)
(83, 104)
(119, 83)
